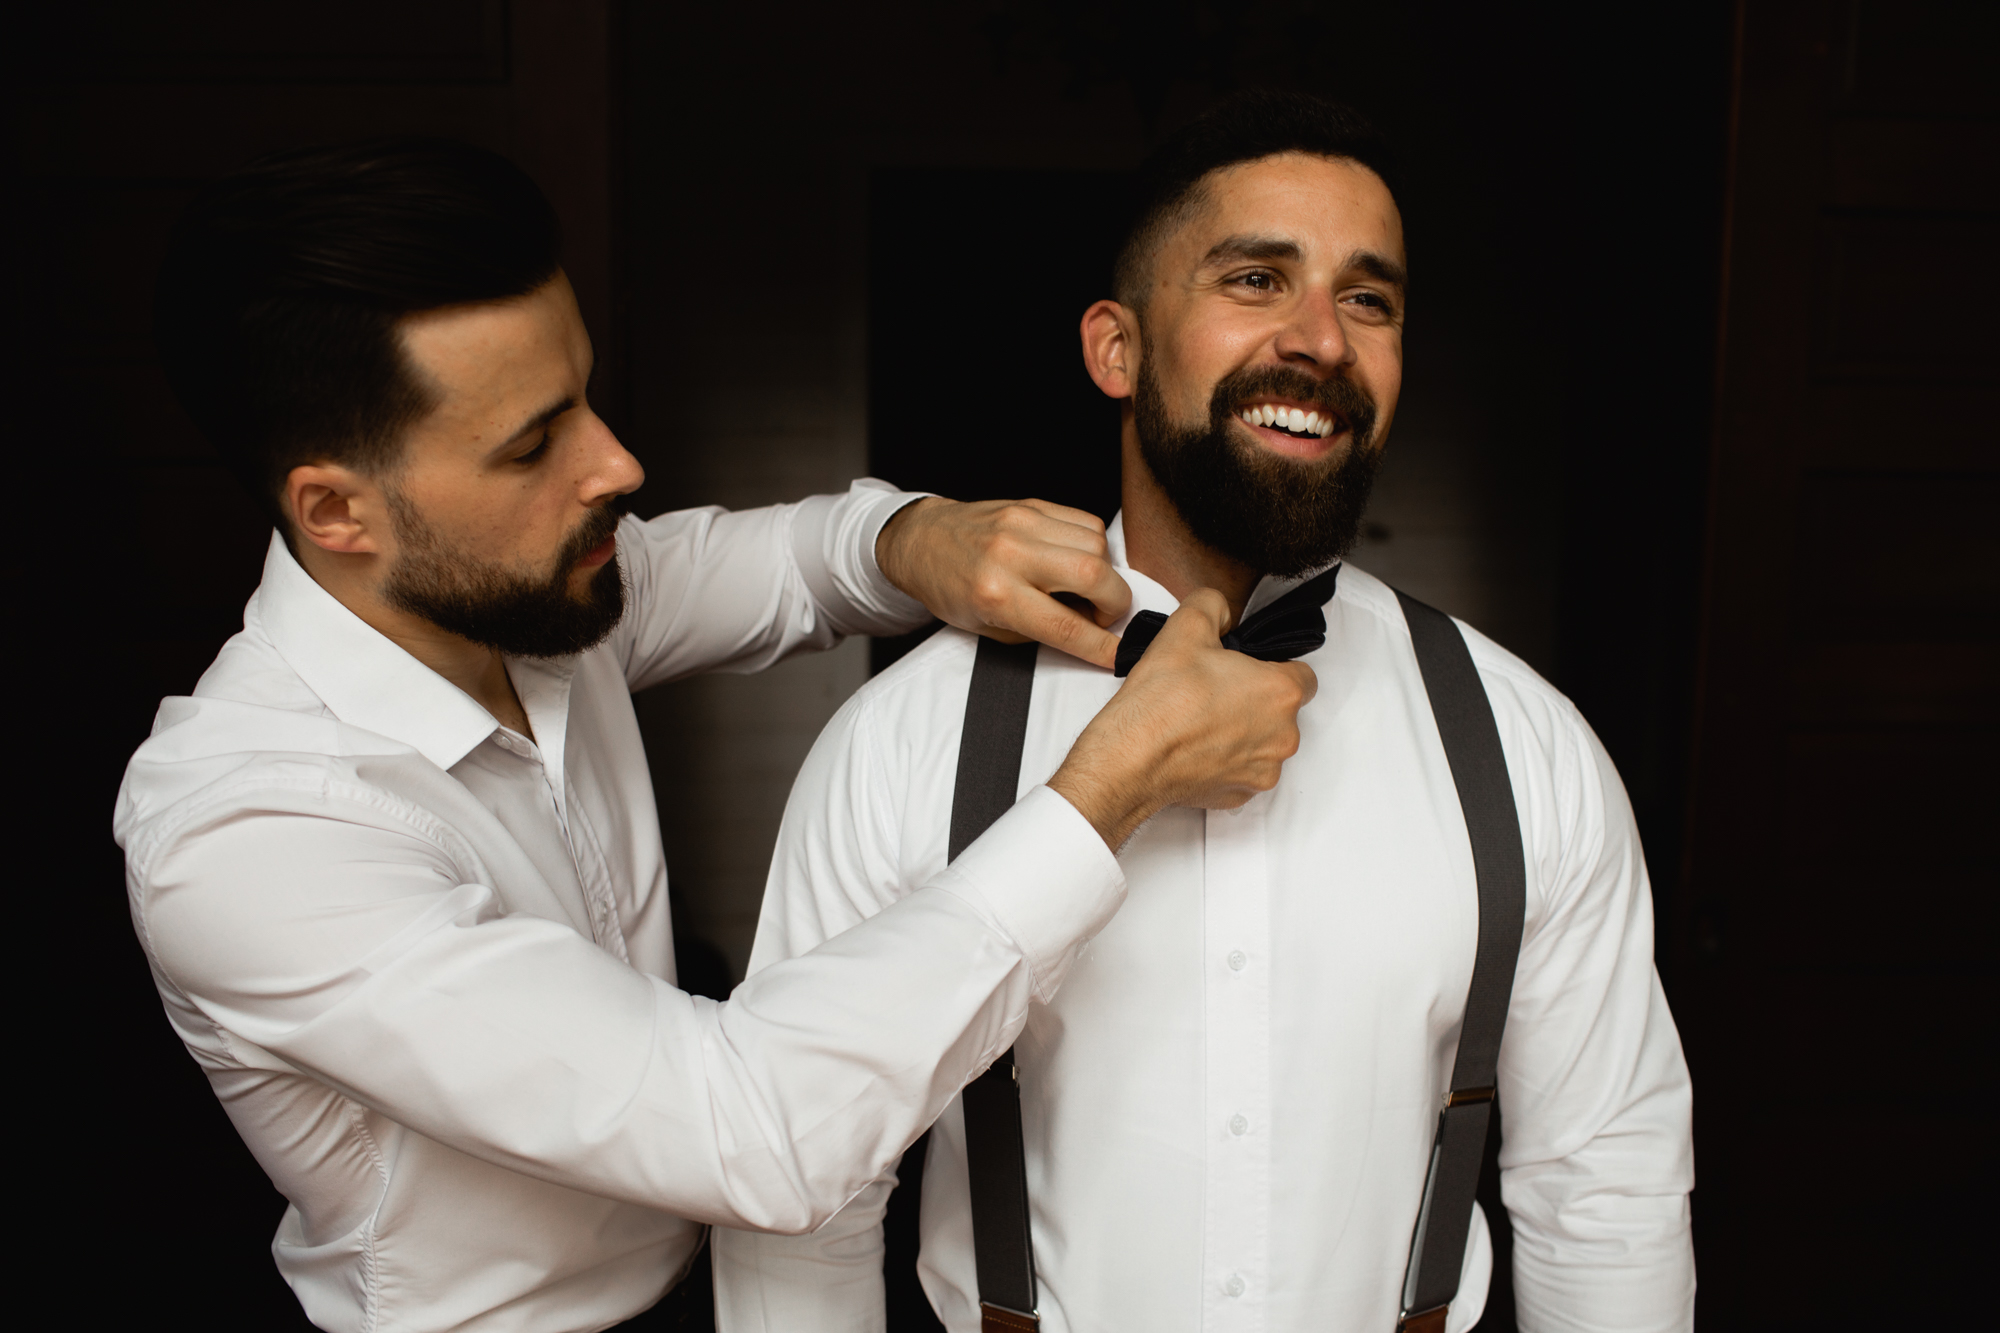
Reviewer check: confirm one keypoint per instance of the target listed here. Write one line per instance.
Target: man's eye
(536, 454)
(1259, 282)
(1372, 300)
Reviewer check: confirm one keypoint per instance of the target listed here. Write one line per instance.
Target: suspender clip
(1424, 1321)
(1467, 1097)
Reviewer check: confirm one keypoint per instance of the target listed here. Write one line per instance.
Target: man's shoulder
(920, 699)
(206, 753)
(1514, 688)
(920, 688)
(251, 733)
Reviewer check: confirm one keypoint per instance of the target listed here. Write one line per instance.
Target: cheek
(1202, 359)
(510, 519)
(1379, 364)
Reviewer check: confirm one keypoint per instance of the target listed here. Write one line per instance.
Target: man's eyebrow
(1238, 249)
(540, 419)
(1235, 249)
(1380, 267)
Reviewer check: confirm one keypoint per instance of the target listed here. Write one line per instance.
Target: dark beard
(517, 615)
(1278, 515)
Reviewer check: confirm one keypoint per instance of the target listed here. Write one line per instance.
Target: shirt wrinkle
(1229, 1104)
(348, 881)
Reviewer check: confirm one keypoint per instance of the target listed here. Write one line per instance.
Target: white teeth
(1296, 420)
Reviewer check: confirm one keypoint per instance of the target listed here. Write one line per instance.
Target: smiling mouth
(1299, 423)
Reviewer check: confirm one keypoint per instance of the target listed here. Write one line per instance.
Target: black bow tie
(1290, 627)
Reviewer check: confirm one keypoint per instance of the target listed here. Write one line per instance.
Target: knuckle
(1021, 551)
(1089, 570)
(989, 591)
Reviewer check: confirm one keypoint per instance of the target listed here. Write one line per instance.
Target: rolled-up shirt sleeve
(714, 590)
(333, 932)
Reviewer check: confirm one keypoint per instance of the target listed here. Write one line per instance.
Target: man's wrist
(892, 547)
(1115, 809)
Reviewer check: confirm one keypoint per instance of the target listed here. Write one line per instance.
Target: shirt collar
(360, 674)
(1149, 595)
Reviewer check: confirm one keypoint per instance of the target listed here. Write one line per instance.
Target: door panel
(1836, 940)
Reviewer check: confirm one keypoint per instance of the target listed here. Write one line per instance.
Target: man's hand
(1194, 724)
(993, 566)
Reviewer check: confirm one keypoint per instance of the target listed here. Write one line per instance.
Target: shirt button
(1239, 1127)
(1235, 1284)
(1237, 960)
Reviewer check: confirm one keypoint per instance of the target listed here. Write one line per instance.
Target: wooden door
(1836, 940)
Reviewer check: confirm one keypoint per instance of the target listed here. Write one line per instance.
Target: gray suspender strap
(989, 770)
(1479, 770)
(989, 774)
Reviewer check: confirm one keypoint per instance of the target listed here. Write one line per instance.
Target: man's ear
(335, 508)
(1111, 348)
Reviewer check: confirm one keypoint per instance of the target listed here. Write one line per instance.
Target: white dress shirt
(426, 964)
(1229, 1108)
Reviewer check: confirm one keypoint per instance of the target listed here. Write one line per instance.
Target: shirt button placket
(1236, 891)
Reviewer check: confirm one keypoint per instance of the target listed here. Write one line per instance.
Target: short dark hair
(1241, 128)
(278, 299)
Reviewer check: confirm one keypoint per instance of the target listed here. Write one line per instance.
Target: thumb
(1307, 679)
(1201, 618)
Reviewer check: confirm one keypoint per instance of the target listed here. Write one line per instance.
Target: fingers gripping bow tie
(1292, 626)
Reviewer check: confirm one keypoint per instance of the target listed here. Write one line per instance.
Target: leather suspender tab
(1424, 1321)
(999, 1319)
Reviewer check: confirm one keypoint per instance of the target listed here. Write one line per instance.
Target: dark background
(1698, 420)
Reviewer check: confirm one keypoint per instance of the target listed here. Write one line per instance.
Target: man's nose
(1314, 333)
(612, 470)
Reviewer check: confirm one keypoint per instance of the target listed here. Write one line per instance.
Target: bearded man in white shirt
(1228, 1111)
(395, 864)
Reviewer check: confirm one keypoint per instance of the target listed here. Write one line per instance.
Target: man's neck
(480, 671)
(1159, 545)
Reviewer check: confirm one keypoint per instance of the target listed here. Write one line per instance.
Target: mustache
(601, 522)
(1339, 396)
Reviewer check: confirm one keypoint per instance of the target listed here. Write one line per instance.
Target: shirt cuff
(833, 539)
(1045, 878)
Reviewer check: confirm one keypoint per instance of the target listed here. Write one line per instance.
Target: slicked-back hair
(1244, 127)
(278, 300)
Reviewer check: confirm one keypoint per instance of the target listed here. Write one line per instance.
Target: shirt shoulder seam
(171, 824)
